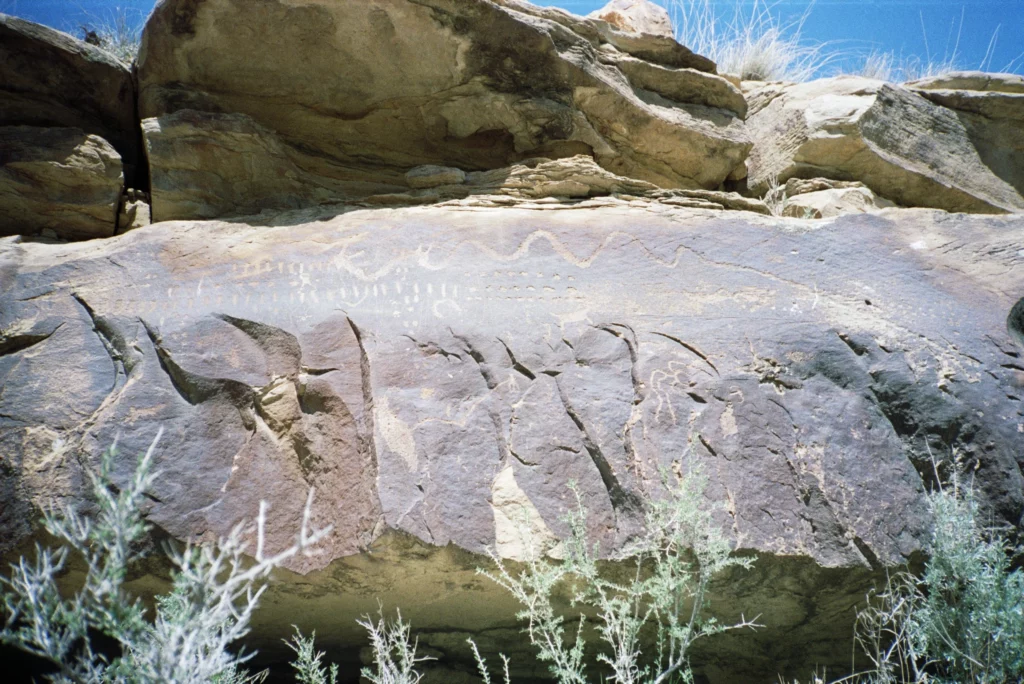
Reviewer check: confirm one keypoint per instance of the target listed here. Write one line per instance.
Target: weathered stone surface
(134, 212)
(636, 16)
(48, 78)
(973, 81)
(233, 126)
(991, 108)
(902, 146)
(434, 176)
(825, 198)
(431, 370)
(568, 181)
(58, 179)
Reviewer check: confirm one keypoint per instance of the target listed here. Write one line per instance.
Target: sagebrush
(664, 596)
(962, 620)
(191, 632)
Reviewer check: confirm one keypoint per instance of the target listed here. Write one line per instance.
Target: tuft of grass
(119, 32)
(775, 197)
(754, 44)
(888, 66)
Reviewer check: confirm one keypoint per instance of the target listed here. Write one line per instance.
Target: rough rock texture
(134, 212)
(432, 370)
(901, 145)
(825, 198)
(433, 176)
(543, 182)
(636, 16)
(991, 109)
(48, 78)
(341, 99)
(61, 180)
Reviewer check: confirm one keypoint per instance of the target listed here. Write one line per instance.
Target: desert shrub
(308, 665)
(188, 639)
(394, 651)
(673, 562)
(394, 654)
(963, 619)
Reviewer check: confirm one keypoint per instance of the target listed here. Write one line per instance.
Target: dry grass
(888, 66)
(119, 33)
(754, 43)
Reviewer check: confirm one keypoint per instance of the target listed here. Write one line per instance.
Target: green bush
(666, 592)
(188, 639)
(963, 619)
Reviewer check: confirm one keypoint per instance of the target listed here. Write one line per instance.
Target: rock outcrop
(59, 181)
(430, 370)
(991, 109)
(460, 253)
(341, 100)
(823, 198)
(48, 78)
(568, 181)
(901, 145)
(636, 16)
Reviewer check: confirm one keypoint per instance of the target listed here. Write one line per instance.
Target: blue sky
(854, 27)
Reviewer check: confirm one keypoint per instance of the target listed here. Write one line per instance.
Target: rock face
(48, 78)
(991, 109)
(432, 370)
(901, 145)
(341, 99)
(60, 180)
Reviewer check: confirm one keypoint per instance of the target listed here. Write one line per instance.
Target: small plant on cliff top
(673, 561)
(216, 590)
(120, 34)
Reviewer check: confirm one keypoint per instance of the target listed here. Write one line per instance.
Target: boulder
(991, 109)
(902, 146)
(48, 78)
(60, 180)
(134, 212)
(636, 16)
(433, 370)
(340, 100)
(825, 198)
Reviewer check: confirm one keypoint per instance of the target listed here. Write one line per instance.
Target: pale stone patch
(397, 435)
(520, 532)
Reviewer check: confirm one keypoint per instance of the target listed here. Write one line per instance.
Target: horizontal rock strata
(897, 142)
(59, 180)
(48, 78)
(339, 97)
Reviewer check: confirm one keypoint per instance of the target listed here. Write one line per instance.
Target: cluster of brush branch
(961, 621)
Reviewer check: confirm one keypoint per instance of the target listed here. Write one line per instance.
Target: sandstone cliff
(437, 258)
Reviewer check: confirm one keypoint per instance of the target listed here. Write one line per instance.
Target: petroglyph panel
(433, 371)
